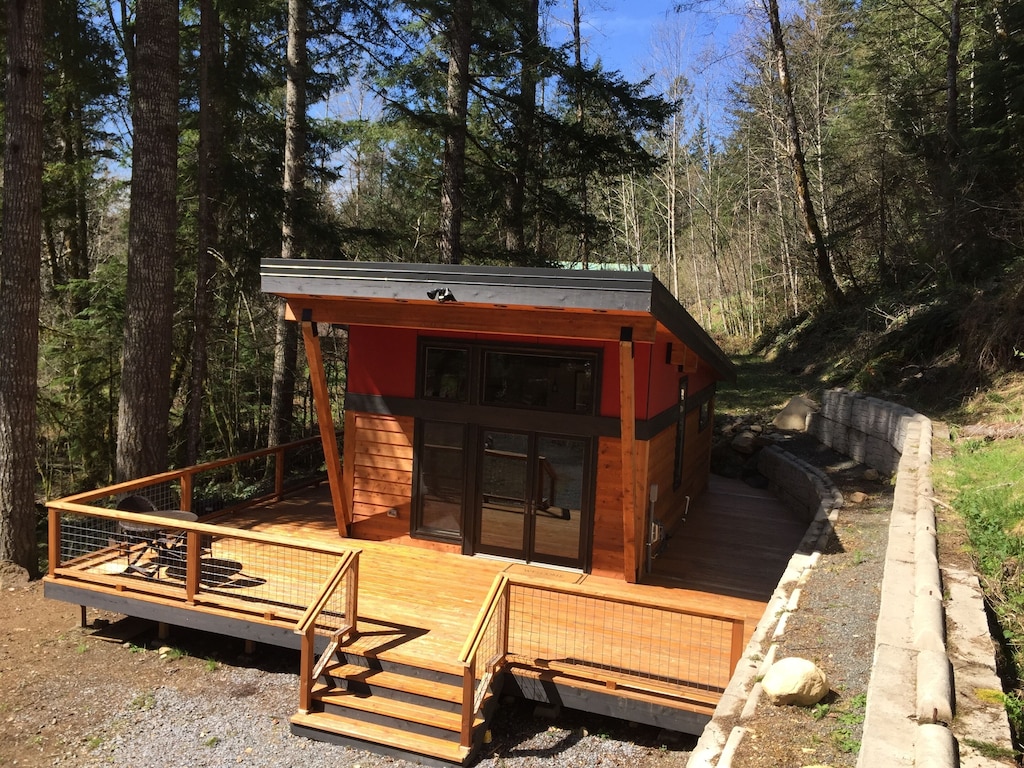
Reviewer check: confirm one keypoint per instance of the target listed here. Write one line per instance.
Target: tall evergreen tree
(19, 280)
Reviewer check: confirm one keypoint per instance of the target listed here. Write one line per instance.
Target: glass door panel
(532, 497)
(504, 493)
(558, 499)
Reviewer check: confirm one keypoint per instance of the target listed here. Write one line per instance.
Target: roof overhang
(593, 304)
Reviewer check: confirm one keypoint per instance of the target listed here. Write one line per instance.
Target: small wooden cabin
(556, 417)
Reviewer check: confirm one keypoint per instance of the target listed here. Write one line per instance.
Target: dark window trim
(680, 449)
(477, 349)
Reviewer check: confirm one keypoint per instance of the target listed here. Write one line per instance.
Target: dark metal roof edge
(497, 276)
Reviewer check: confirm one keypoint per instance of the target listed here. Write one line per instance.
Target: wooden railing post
(737, 645)
(54, 543)
(468, 697)
(279, 474)
(186, 491)
(193, 565)
(306, 664)
(352, 597)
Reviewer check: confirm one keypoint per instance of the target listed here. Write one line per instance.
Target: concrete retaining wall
(910, 695)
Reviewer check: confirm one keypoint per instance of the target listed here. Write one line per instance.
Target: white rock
(794, 681)
(794, 415)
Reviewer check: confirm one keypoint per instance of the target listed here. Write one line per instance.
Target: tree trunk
(812, 230)
(581, 175)
(526, 113)
(210, 142)
(142, 423)
(453, 165)
(282, 397)
(20, 259)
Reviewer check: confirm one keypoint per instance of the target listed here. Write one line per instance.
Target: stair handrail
(494, 609)
(346, 573)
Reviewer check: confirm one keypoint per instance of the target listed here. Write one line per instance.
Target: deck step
(395, 741)
(360, 679)
(382, 709)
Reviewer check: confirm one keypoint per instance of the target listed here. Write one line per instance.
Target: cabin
(519, 503)
(552, 417)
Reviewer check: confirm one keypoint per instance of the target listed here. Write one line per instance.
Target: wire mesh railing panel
(274, 575)
(648, 643)
(83, 537)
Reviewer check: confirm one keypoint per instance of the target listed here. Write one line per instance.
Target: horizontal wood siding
(378, 471)
(671, 504)
(607, 558)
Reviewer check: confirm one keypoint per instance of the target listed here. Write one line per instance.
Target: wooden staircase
(392, 707)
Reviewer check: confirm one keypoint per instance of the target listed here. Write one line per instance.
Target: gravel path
(241, 718)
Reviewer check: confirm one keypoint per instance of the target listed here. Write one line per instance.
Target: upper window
(547, 382)
(446, 373)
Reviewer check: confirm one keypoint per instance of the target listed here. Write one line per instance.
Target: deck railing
(339, 591)
(245, 572)
(223, 485)
(614, 640)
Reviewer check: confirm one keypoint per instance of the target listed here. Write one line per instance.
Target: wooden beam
(594, 325)
(685, 357)
(321, 399)
(627, 418)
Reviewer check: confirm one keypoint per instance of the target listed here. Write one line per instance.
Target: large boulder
(794, 415)
(795, 681)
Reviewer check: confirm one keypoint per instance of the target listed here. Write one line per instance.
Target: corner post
(627, 443)
(328, 436)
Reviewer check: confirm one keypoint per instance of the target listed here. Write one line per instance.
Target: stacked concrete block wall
(910, 696)
(867, 429)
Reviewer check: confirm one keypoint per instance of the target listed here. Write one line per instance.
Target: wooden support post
(321, 398)
(250, 648)
(627, 420)
(163, 630)
(53, 555)
(84, 620)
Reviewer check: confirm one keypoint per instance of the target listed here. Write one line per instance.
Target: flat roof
(577, 289)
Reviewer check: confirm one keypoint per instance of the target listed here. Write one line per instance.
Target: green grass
(762, 387)
(985, 483)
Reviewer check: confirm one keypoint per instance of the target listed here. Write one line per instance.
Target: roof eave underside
(595, 290)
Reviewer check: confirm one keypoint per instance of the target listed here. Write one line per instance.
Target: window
(441, 477)
(705, 414)
(446, 373)
(547, 382)
(677, 473)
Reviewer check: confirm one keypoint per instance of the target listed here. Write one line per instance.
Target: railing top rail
(487, 609)
(324, 593)
(153, 518)
(176, 474)
(637, 601)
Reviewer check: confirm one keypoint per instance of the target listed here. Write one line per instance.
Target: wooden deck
(662, 649)
(727, 557)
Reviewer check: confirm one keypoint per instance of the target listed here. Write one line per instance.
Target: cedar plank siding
(378, 459)
(607, 557)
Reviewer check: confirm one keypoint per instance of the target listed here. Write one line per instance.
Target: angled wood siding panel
(378, 459)
(607, 559)
(382, 469)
